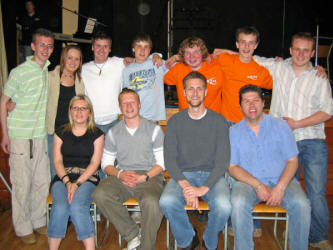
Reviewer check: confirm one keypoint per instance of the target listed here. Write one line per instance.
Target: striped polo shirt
(27, 87)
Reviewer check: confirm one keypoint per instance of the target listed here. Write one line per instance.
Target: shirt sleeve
(325, 100)
(288, 142)
(109, 152)
(234, 150)
(170, 77)
(222, 154)
(158, 139)
(171, 152)
(11, 86)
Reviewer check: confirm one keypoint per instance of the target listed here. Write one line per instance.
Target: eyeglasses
(43, 45)
(75, 108)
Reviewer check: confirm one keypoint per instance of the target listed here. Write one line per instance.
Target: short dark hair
(248, 30)
(305, 36)
(102, 35)
(142, 37)
(128, 91)
(42, 32)
(250, 88)
(195, 75)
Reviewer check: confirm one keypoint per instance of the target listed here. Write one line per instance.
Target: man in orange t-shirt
(240, 70)
(193, 52)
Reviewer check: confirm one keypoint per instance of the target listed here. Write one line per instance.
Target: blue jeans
(172, 203)
(50, 145)
(313, 154)
(244, 198)
(105, 128)
(78, 210)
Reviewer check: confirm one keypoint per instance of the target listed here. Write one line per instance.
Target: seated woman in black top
(77, 153)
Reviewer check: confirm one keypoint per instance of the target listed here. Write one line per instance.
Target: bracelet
(258, 187)
(62, 178)
(67, 182)
(118, 174)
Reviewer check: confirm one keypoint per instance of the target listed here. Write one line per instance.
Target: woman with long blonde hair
(77, 152)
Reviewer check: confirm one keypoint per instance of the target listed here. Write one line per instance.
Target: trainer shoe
(134, 243)
(28, 239)
(322, 245)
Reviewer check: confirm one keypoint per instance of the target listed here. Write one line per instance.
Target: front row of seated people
(196, 154)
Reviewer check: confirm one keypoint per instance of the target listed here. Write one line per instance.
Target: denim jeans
(105, 128)
(244, 198)
(50, 145)
(313, 154)
(78, 210)
(172, 203)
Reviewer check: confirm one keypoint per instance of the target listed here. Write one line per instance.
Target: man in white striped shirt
(305, 102)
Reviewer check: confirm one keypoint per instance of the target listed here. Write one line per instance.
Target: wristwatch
(147, 177)
(77, 183)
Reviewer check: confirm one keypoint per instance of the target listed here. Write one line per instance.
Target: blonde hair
(63, 57)
(190, 42)
(91, 126)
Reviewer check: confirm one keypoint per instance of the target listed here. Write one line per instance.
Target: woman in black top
(77, 153)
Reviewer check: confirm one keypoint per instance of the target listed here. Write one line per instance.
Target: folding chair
(132, 205)
(263, 208)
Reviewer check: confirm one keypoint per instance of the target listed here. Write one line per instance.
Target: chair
(263, 208)
(203, 206)
(93, 210)
(132, 206)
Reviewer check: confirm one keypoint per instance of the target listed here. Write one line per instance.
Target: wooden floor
(9, 241)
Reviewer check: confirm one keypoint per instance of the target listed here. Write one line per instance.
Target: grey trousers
(109, 196)
(30, 178)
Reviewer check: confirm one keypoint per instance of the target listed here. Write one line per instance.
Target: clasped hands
(271, 196)
(131, 178)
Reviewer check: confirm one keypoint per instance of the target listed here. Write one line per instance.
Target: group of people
(220, 147)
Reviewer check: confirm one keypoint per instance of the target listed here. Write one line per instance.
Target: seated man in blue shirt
(264, 162)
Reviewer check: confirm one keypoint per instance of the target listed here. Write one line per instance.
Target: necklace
(100, 68)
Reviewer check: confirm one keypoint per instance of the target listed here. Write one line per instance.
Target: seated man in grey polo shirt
(137, 144)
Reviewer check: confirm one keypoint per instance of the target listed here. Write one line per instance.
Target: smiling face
(72, 60)
(252, 106)
(246, 45)
(129, 105)
(79, 112)
(43, 48)
(301, 52)
(193, 57)
(141, 51)
(101, 49)
(195, 92)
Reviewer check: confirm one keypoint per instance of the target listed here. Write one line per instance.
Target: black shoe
(202, 216)
(194, 243)
(204, 246)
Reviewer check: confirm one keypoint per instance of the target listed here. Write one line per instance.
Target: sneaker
(41, 230)
(134, 243)
(323, 245)
(257, 232)
(28, 239)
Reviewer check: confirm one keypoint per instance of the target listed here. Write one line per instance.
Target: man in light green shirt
(24, 138)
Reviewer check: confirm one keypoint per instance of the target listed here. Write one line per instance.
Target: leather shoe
(204, 246)
(41, 230)
(194, 243)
